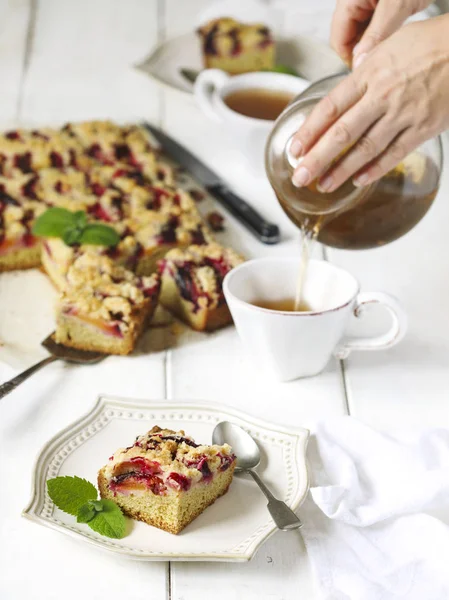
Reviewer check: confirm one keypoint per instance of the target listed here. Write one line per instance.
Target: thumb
(387, 18)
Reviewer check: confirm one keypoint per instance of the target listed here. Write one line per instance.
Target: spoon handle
(283, 516)
(11, 385)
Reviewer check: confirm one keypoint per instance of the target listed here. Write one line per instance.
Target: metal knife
(266, 232)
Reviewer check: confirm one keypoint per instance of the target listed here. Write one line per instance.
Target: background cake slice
(166, 479)
(104, 307)
(237, 47)
(191, 284)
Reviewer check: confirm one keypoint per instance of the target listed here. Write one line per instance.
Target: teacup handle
(206, 83)
(379, 342)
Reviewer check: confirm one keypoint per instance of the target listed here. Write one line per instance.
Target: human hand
(394, 101)
(358, 26)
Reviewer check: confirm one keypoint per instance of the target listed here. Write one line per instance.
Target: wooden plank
(82, 61)
(14, 26)
(407, 385)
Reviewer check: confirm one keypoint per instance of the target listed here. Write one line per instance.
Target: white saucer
(232, 529)
(310, 58)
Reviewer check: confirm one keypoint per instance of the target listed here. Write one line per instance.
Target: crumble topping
(176, 459)
(101, 289)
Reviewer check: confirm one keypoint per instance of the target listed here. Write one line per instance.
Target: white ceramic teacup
(300, 344)
(213, 85)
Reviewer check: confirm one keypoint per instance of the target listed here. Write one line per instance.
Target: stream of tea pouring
(318, 213)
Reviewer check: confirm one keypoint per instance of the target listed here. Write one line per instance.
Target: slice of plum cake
(166, 479)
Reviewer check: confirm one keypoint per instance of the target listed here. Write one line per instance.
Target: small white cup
(292, 345)
(213, 85)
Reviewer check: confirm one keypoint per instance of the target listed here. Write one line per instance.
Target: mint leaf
(80, 219)
(53, 222)
(99, 235)
(86, 512)
(110, 521)
(97, 505)
(70, 493)
(283, 69)
(72, 236)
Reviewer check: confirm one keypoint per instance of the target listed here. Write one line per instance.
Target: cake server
(57, 352)
(266, 232)
(248, 457)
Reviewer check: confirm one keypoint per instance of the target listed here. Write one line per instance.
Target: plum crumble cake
(104, 307)
(166, 479)
(237, 47)
(113, 175)
(191, 284)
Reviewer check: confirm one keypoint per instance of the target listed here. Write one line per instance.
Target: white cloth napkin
(376, 518)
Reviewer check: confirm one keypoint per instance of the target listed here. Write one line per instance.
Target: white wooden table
(64, 60)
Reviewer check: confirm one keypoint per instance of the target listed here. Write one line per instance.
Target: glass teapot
(351, 218)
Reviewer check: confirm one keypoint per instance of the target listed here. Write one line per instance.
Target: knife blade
(267, 233)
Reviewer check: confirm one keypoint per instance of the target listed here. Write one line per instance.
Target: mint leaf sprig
(73, 228)
(78, 497)
(279, 68)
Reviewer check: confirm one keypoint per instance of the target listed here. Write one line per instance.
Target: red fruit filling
(168, 232)
(6, 199)
(188, 289)
(98, 211)
(23, 162)
(122, 151)
(137, 473)
(203, 466)
(225, 461)
(56, 160)
(12, 135)
(98, 189)
(156, 201)
(179, 482)
(198, 236)
(29, 189)
(180, 439)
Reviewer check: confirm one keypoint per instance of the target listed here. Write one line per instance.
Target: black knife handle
(266, 232)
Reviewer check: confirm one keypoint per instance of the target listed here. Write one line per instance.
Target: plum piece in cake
(104, 307)
(166, 479)
(158, 232)
(191, 284)
(237, 47)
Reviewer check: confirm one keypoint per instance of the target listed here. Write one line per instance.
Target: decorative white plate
(232, 529)
(310, 58)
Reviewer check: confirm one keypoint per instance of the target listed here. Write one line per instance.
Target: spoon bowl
(242, 444)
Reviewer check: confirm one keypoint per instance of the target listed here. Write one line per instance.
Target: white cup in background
(250, 134)
(292, 345)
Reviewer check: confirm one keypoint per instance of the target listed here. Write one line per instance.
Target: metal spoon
(248, 457)
(57, 352)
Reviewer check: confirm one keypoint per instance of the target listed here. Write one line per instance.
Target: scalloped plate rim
(103, 400)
